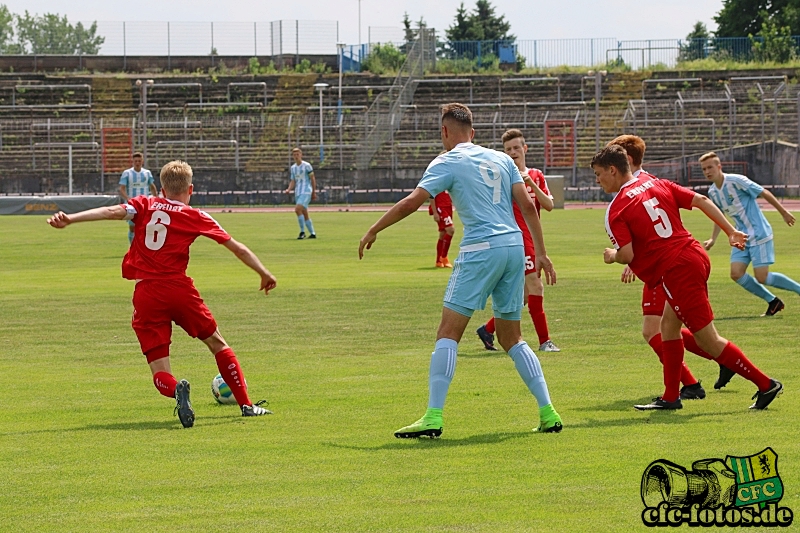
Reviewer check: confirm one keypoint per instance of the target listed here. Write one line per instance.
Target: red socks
(232, 374)
(733, 358)
(490, 326)
(445, 240)
(691, 345)
(536, 310)
(687, 378)
(165, 383)
(673, 363)
(439, 244)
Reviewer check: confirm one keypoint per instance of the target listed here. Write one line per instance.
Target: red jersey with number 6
(163, 231)
(645, 212)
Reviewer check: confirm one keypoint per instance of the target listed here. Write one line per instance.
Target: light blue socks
(443, 366)
(530, 371)
(750, 284)
(310, 226)
(300, 221)
(774, 279)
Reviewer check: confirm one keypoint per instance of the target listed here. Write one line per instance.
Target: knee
(736, 275)
(761, 277)
(449, 230)
(508, 340)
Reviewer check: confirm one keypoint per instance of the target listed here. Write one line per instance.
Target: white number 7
(495, 180)
(663, 226)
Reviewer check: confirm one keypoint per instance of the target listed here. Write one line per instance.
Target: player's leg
(763, 257)
(474, 276)
(440, 245)
(740, 259)
(447, 238)
(298, 211)
(728, 354)
(507, 307)
(534, 289)
(309, 225)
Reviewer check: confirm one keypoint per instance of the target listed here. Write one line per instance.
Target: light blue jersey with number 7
(479, 180)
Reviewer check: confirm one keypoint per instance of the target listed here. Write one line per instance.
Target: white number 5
(495, 180)
(156, 233)
(663, 226)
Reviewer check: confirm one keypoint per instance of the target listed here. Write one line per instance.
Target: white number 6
(156, 233)
(494, 181)
(663, 226)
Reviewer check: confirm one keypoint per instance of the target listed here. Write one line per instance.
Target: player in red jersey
(441, 208)
(654, 298)
(644, 224)
(157, 260)
(514, 145)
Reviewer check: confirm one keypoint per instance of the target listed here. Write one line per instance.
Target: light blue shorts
(302, 199)
(760, 254)
(499, 272)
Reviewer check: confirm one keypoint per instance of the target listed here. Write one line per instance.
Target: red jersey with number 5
(163, 231)
(645, 212)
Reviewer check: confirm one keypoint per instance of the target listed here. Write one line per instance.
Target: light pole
(321, 87)
(143, 85)
(340, 46)
(598, 93)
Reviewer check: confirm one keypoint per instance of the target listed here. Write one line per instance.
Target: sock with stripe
(231, 372)
(750, 284)
(446, 240)
(443, 367)
(527, 364)
(733, 358)
(165, 383)
(536, 309)
(691, 345)
(775, 279)
(310, 226)
(301, 221)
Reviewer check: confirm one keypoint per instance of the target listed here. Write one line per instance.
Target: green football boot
(549, 421)
(429, 425)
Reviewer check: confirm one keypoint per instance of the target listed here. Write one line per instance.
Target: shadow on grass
(148, 425)
(486, 354)
(748, 317)
(426, 443)
(653, 418)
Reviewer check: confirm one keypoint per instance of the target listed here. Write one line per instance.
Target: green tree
(482, 24)
(53, 34)
(775, 43)
(695, 43)
(6, 31)
(739, 18)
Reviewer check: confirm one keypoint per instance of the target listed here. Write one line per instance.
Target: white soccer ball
(222, 392)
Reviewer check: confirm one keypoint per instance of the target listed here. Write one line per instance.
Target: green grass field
(341, 350)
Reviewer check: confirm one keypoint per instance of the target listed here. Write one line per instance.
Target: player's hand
(627, 275)
(543, 264)
(314, 195)
(59, 220)
(366, 242)
(268, 282)
(708, 244)
(788, 218)
(436, 217)
(609, 256)
(287, 191)
(737, 239)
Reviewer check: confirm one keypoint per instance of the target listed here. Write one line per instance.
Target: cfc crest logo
(739, 491)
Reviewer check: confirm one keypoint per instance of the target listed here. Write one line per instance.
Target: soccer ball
(222, 392)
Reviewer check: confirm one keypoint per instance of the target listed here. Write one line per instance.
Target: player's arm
(153, 189)
(313, 185)
(769, 197)
(434, 211)
(408, 205)
(268, 281)
(544, 199)
(290, 188)
(735, 238)
(714, 234)
(62, 220)
(542, 263)
(623, 255)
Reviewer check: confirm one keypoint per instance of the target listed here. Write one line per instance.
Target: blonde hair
(709, 155)
(176, 176)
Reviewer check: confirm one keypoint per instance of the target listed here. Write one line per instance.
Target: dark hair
(612, 156)
(634, 145)
(137, 154)
(512, 134)
(457, 112)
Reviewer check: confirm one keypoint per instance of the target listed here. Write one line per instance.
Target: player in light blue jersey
(304, 184)
(136, 181)
(735, 195)
(491, 261)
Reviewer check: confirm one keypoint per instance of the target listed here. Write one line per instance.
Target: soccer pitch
(341, 349)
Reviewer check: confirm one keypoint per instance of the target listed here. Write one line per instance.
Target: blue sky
(530, 19)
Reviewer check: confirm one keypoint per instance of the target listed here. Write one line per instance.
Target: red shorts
(158, 303)
(686, 287)
(653, 299)
(445, 218)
